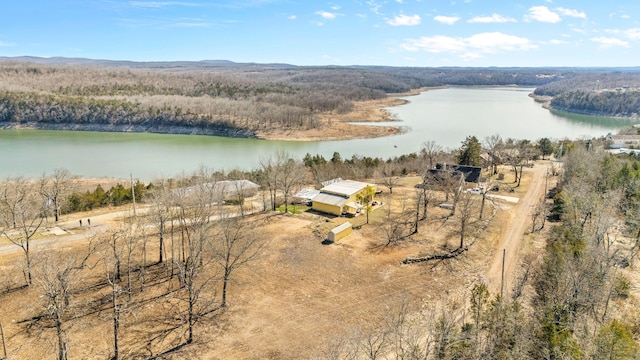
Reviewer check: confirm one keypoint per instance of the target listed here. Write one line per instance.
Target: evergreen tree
(470, 152)
(546, 147)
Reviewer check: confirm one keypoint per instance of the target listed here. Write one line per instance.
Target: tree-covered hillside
(603, 94)
(241, 99)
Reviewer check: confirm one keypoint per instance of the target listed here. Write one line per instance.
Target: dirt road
(513, 234)
(99, 224)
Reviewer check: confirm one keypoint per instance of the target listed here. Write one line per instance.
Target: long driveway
(512, 236)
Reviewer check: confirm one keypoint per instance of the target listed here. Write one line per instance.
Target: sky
(426, 33)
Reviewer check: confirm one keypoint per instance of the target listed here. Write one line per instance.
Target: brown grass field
(296, 301)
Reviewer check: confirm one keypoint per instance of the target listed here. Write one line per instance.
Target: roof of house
(331, 199)
(471, 173)
(344, 187)
(329, 182)
(307, 194)
(220, 187)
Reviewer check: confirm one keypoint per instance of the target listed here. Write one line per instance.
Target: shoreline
(545, 102)
(334, 127)
(175, 130)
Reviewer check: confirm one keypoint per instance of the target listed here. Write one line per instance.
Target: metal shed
(340, 232)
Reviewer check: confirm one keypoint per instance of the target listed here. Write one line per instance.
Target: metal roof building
(340, 197)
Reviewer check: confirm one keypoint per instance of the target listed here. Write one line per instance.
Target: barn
(340, 197)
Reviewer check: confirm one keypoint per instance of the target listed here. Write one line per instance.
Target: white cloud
(571, 13)
(558, 42)
(632, 34)
(435, 44)
(292, 17)
(495, 18)
(326, 15)
(495, 41)
(607, 42)
(542, 14)
(374, 7)
(470, 47)
(5, 44)
(449, 20)
(404, 20)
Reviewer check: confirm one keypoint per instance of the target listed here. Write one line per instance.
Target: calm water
(446, 116)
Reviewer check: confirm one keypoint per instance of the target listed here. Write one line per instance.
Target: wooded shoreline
(285, 102)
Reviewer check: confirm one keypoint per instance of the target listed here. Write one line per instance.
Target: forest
(241, 99)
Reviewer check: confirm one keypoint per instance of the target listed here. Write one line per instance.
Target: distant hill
(139, 64)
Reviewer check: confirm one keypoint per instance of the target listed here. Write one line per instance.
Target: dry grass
(290, 304)
(337, 126)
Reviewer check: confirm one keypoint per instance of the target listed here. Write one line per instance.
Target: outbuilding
(340, 232)
(340, 197)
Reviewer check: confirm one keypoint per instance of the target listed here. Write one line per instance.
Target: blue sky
(349, 32)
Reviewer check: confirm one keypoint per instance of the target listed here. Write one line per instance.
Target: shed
(340, 232)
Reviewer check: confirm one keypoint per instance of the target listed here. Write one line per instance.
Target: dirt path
(512, 236)
(99, 224)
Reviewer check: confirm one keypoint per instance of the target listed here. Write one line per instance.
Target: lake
(446, 116)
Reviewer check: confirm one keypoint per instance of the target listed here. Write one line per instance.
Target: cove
(446, 116)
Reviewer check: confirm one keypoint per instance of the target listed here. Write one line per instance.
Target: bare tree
(465, 215)
(538, 213)
(160, 214)
(393, 226)
(493, 144)
(271, 169)
(373, 344)
(112, 252)
(430, 150)
(490, 185)
(411, 334)
(235, 246)
(191, 273)
(425, 194)
(55, 189)
(55, 274)
(292, 174)
(389, 177)
(21, 211)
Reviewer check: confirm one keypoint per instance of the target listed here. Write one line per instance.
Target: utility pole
(502, 281)
(133, 194)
